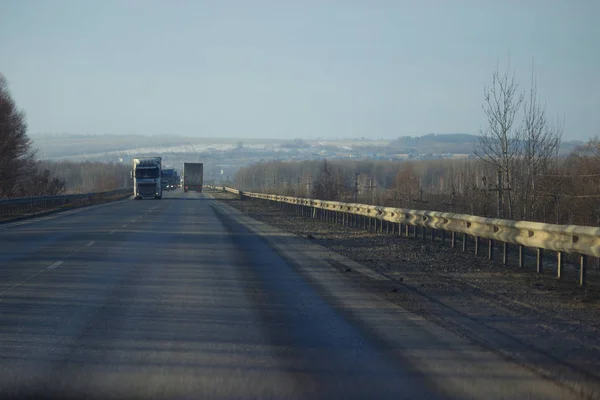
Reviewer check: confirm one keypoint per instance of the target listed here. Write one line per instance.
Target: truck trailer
(193, 176)
(147, 177)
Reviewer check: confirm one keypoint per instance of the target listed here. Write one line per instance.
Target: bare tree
(406, 185)
(592, 146)
(499, 142)
(325, 184)
(540, 142)
(42, 183)
(16, 155)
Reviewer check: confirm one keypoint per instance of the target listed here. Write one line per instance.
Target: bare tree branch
(499, 143)
(540, 142)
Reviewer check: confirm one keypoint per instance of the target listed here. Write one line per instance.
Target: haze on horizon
(274, 69)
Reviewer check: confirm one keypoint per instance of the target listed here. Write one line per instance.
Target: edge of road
(56, 212)
(312, 260)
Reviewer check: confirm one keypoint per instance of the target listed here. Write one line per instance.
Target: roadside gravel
(551, 326)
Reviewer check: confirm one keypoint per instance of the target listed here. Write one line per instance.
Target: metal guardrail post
(583, 261)
(560, 267)
(521, 256)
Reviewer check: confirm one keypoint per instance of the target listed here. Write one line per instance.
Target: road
(177, 299)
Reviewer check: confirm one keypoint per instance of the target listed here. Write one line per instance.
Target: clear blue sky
(255, 68)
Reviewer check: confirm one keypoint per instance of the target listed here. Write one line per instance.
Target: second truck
(193, 176)
(170, 179)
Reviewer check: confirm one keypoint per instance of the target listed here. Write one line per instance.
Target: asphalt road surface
(178, 299)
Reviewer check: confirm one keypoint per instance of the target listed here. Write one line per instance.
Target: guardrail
(571, 239)
(23, 205)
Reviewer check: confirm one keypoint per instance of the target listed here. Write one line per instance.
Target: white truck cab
(147, 175)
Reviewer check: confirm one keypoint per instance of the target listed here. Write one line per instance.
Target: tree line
(87, 176)
(22, 174)
(567, 194)
(517, 172)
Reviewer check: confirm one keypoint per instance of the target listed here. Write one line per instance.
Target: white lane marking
(123, 226)
(20, 283)
(54, 265)
(51, 267)
(73, 252)
(111, 232)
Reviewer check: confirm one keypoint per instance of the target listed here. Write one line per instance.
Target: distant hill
(435, 143)
(454, 143)
(60, 145)
(103, 147)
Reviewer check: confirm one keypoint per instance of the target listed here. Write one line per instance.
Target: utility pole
(356, 174)
(499, 188)
(371, 187)
(338, 186)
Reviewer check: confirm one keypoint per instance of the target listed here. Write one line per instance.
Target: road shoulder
(465, 368)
